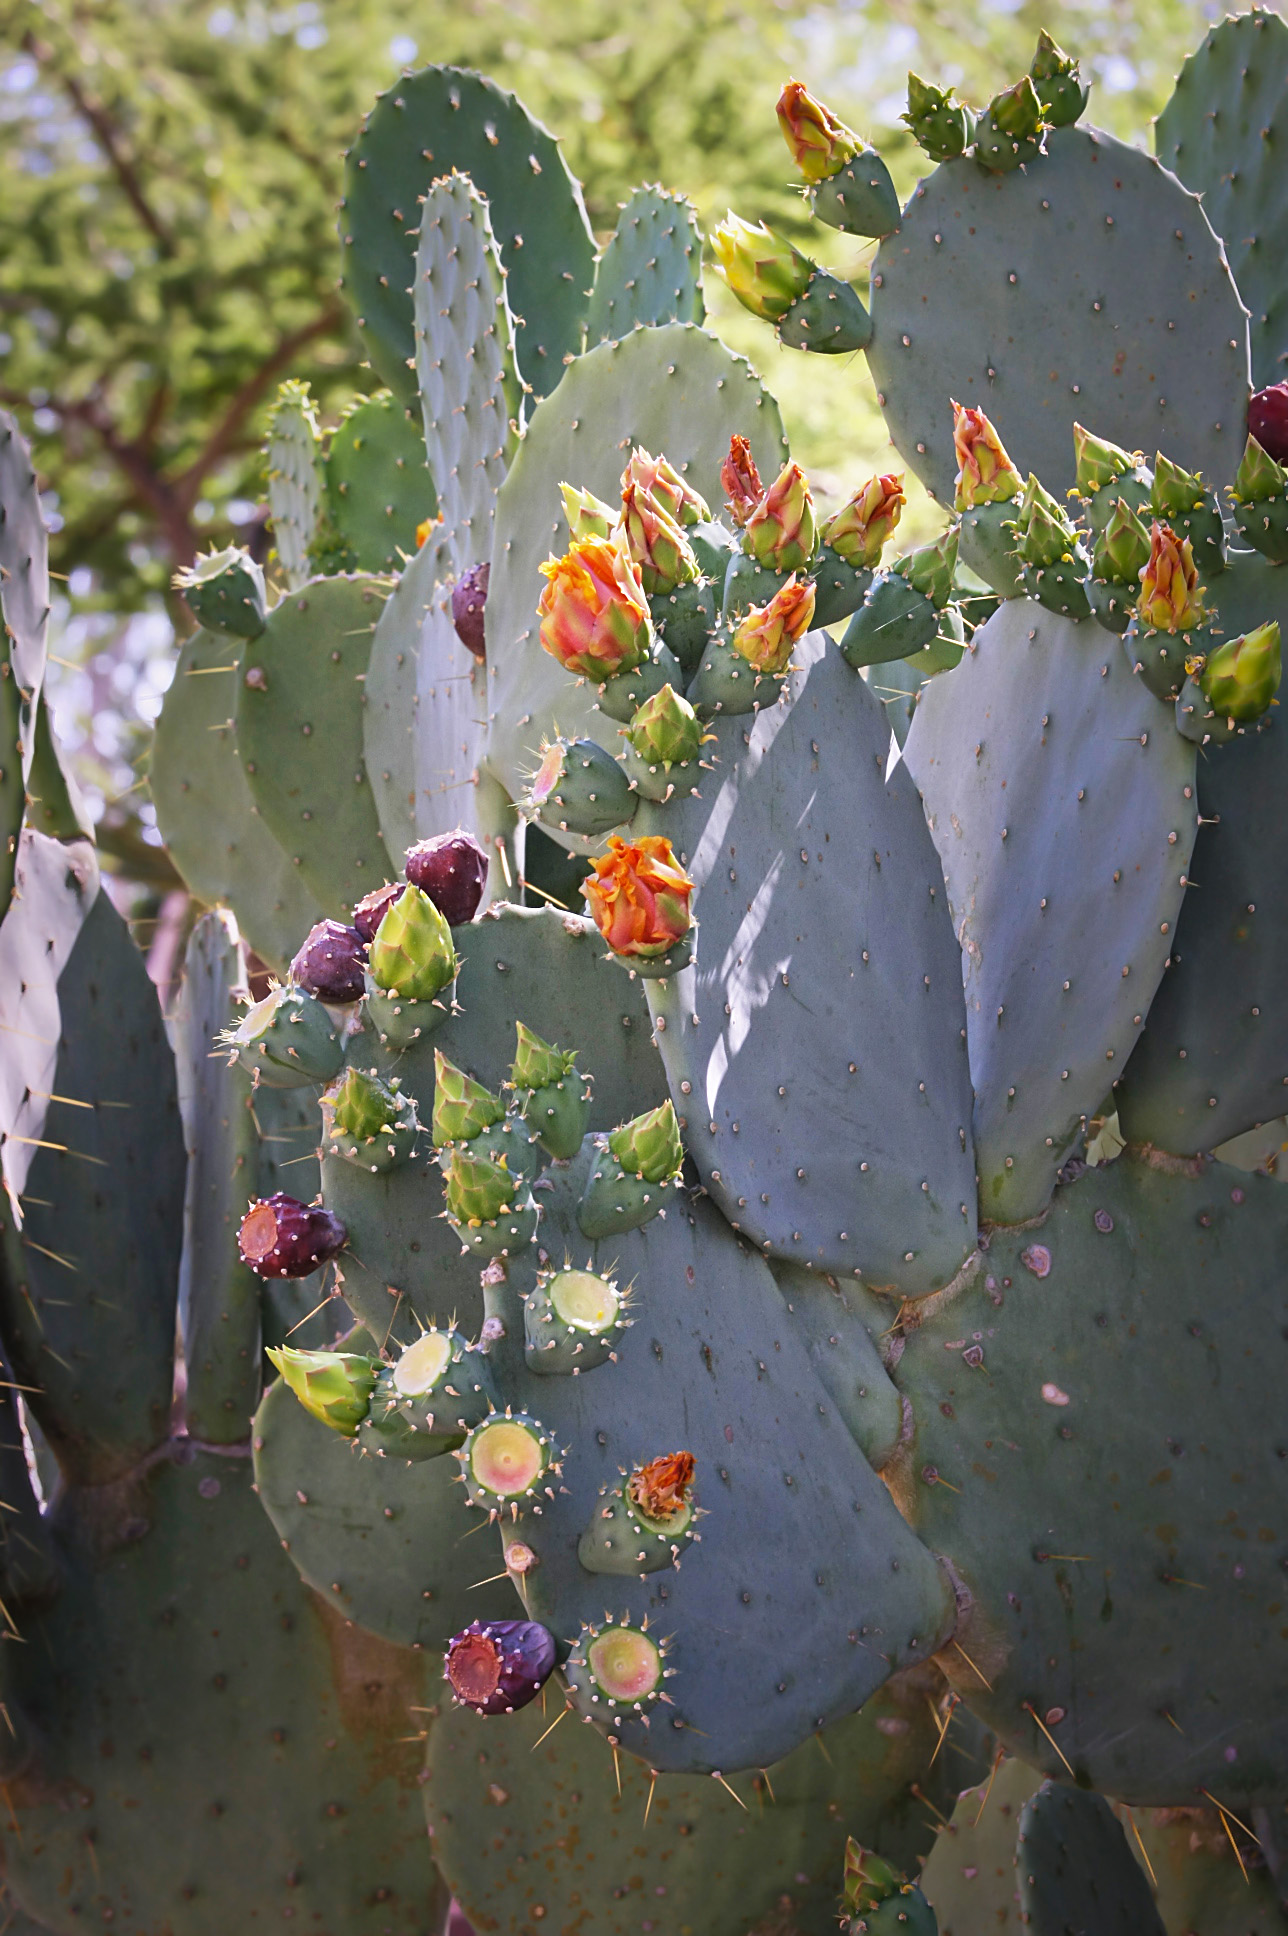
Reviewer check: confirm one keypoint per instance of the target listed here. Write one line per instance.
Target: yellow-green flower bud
(764, 271)
(335, 1386)
(1242, 676)
(463, 1108)
(412, 953)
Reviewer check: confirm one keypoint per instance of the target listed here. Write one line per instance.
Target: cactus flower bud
(1017, 110)
(361, 1105)
(764, 271)
(1259, 478)
(869, 1880)
(741, 480)
(1170, 598)
(594, 615)
(820, 144)
(781, 532)
(1122, 549)
(1057, 83)
(857, 532)
(664, 483)
(941, 125)
(639, 897)
(335, 1386)
(929, 569)
(452, 870)
(331, 963)
(372, 909)
(1175, 491)
(1268, 420)
(765, 635)
(1242, 676)
(412, 953)
(649, 1146)
(469, 600)
(282, 1237)
(538, 1064)
(479, 1187)
(498, 1666)
(665, 730)
(985, 474)
(1045, 535)
(1099, 462)
(463, 1108)
(656, 543)
(588, 516)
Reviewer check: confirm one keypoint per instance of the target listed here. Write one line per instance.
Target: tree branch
(109, 140)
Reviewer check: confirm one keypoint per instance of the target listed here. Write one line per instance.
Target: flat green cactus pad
(1069, 1460)
(296, 484)
(378, 484)
(679, 393)
(423, 127)
(206, 810)
(299, 736)
(1222, 133)
(1044, 297)
(1062, 802)
(533, 1833)
(24, 561)
(651, 268)
(1076, 1870)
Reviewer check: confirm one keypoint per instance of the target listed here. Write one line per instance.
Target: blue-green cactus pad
(679, 393)
(299, 736)
(816, 1051)
(651, 268)
(1223, 133)
(421, 128)
(1214, 1056)
(1102, 1510)
(1061, 800)
(1062, 279)
(378, 485)
(1076, 1868)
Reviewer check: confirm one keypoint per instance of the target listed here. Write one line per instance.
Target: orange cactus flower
(766, 635)
(1170, 599)
(594, 615)
(985, 474)
(639, 896)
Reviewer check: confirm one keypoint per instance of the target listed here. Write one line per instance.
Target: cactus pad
(651, 268)
(378, 485)
(1063, 276)
(296, 485)
(1076, 1868)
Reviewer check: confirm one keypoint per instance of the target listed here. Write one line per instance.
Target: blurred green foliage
(167, 231)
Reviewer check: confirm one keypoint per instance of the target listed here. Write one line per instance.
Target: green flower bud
(1242, 676)
(335, 1386)
(1057, 82)
(869, 1879)
(764, 271)
(412, 953)
(361, 1105)
(1258, 477)
(1099, 462)
(650, 1146)
(1122, 549)
(930, 568)
(942, 126)
(537, 1064)
(1175, 492)
(665, 730)
(1017, 110)
(463, 1108)
(1044, 534)
(479, 1188)
(588, 516)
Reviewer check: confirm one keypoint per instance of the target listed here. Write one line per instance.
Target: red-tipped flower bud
(663, 482)
(820, 144)
(781, 532)
(985, 474)
(857, 532)
(741, 480)
(1170, 598)
(657, 544)
(765, 272)
(767, 633)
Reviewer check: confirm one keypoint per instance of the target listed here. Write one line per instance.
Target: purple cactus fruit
(1268, 420)
(452, 870)
(331, 963)
(496, 1666)
(468, 601)
(282, 1237)
(373, 907)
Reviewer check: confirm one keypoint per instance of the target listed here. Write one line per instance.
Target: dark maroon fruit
(469, 597)
(496, 1666)
(331, 963)
(282, 1237)
(1268, 420)
(452, 870)
(373, 907)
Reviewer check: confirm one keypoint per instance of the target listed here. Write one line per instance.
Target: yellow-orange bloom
(639, 896)
(1169, 584)
(985, 474)
(594, 615)
(766, 635)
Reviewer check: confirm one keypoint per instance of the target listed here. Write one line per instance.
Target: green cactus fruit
(941, 125)
(287, 1040)
(553, 1096)
(463, 1108)
(367, 1122)
(649, 1147)
(579, 788)
(1193, 512)
(335, 1386)
(412, 953)
(1011, 128)
(225, 590)
(685, 617)
(1057, 83)
(860, 198)
(508, 1461)
(428, 1399)
(1053, 561)
(571, 1320)
(725, 683)
(839, 587)
(646, 1522)
(489, 1205)
(747, 582)
(827, 316)
(1237, 681)
(621, 696)
(1259, 500)
(616, 1671)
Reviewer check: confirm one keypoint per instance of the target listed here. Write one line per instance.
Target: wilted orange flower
(594, 615)
(639, 896)
(661, 1488)
(741, 479)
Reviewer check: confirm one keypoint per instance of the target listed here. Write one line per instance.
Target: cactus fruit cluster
(762, 1099)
